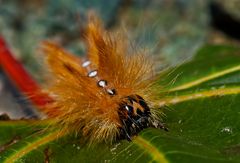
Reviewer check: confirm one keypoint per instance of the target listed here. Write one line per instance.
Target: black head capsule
(135, 116)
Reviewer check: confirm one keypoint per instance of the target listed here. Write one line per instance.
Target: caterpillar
(104, 96)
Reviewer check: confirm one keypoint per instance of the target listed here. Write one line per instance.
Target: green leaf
(210, 63)
(203, 96)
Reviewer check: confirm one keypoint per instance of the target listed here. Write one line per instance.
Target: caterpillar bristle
(104, 96)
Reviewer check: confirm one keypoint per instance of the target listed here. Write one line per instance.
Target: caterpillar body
(105, 96)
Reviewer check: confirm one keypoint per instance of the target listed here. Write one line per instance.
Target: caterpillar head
(135, 115)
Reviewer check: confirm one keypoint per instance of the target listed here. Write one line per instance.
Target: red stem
(20, 77)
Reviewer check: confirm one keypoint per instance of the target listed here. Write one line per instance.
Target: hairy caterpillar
(105, 96)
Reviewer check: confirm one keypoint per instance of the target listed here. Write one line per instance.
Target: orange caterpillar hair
(105, 96)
